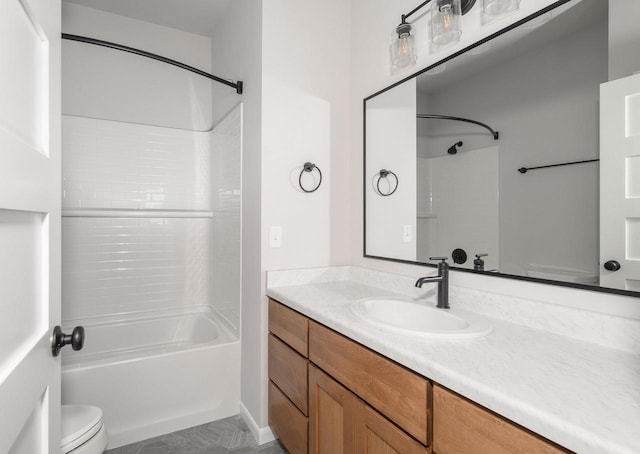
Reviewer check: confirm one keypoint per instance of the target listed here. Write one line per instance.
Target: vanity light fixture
(446, 23)
(445, 28)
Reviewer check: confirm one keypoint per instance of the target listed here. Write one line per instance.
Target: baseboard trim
(261, 434)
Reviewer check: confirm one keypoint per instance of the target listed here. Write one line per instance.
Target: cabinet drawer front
(460, 426)
(376, 435)
(396, 392)
(288, 370)
(289, 326)
(286, 421)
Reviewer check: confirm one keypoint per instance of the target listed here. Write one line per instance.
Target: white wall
(294, 59)
(288, 53)
(372, 21)
(391, 145)
(305, 117)
(241, 58)
(114, 85)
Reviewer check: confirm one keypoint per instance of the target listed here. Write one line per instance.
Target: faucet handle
(444, 259)
(478, 263)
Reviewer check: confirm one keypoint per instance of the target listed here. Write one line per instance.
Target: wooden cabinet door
(461, 427)
(341, 423)
(374, 434)
(331, 415)
(286, 421)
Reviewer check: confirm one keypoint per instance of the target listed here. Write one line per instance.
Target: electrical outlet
(275, 237)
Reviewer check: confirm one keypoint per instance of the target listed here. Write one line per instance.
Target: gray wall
(547, 217)
(624, 58)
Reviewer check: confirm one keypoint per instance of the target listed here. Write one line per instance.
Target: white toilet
(83, 431)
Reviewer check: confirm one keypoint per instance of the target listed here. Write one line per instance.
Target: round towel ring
(309, 167)
(384, 173)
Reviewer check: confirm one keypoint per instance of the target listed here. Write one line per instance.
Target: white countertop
(583, 396)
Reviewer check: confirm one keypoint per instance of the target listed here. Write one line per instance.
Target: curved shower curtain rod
(495, 134)
(98, 42)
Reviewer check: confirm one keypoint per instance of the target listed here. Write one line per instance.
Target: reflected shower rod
(98, 42)
(495, 134)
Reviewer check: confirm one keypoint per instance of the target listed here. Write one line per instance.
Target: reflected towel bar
(98, 42)
(526, 169)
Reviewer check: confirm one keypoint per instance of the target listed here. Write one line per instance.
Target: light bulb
(446, 16)
(405, 46)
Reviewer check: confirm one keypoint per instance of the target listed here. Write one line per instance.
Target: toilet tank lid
(79, 423)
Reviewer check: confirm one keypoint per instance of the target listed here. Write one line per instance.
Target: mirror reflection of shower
(453, 149)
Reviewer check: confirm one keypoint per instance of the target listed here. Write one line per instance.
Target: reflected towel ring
(309, 167)
(384, 173)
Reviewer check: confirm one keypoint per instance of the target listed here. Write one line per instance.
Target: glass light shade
(497, 7)
(446, 24)
(403, 46)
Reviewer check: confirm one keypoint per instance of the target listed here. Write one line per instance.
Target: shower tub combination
(155, 372)
(151, 269)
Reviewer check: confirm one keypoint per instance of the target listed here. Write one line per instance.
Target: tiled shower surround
(110, 164)
(151, 217)
(117, 265)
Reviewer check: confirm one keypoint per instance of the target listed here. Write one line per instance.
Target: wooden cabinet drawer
(398, 393)
(287, 422)
(288, 370)
(376, 435)
(461, 427)
(291, 327)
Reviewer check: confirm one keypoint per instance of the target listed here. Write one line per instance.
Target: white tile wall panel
(110, 164)
(114, 264)
(118, 265)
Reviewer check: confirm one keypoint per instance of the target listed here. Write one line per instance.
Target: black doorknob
(60, 339)
(612, 265)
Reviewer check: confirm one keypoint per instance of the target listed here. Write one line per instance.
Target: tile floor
(226, 436)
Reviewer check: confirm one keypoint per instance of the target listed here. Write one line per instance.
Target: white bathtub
(154, 372)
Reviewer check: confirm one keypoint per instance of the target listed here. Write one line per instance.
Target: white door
(29, 225)
(620, 183)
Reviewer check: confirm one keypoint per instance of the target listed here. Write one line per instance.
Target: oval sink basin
(410, 317)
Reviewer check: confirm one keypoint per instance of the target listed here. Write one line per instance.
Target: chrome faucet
(443, 282)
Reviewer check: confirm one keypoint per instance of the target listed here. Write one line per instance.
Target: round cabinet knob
(60, 339)
(612, 265)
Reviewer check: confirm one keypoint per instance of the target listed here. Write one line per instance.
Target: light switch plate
(275, 236)
(407, 234)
